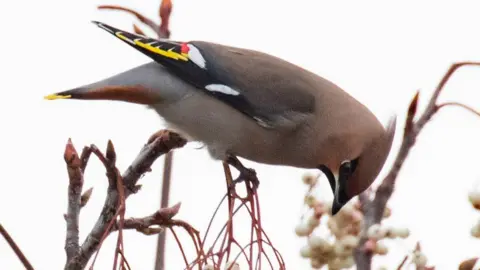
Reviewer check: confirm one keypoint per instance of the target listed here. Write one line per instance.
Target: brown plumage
(253, 105)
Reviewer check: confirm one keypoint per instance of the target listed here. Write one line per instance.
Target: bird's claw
(247, 175)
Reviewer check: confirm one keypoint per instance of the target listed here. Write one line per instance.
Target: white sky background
(377, 52)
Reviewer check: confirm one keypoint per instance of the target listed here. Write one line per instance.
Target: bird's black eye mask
(347, 168)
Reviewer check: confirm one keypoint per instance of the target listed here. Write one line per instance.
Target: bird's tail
(136, 85)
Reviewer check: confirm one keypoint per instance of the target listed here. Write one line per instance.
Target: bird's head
(355, 176)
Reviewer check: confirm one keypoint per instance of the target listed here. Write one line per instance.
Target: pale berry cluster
(340, 234)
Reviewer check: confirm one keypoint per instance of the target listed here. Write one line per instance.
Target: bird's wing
(265, 88)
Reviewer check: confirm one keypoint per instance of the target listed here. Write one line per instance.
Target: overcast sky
(380, 53)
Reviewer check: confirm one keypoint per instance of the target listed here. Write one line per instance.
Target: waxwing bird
(245, 103)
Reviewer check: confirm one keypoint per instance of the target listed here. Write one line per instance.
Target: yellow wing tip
(56, 96)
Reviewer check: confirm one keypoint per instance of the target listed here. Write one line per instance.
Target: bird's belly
(224, 130)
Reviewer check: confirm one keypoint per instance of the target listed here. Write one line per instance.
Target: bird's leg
(246, 174)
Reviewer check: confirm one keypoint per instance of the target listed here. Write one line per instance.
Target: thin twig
(231, 203)
(162, 218)
(125, 260)
(402, 263)
(251, 204)
(468, 108)
(179, 244)
(150, 23)
(375, 209)
(15, 248)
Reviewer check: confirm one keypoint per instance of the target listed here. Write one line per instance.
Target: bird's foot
(246, 174)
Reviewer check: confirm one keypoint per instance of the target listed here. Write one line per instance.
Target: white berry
(381, 248)
(316, 264)
(310, 201)
(376, 232)
(475, 231)
(306, 252)
(401, 232)
(348, 262)
(349, 242)
(419, 259)
(313, 222)
(317, 242)
(302, 230)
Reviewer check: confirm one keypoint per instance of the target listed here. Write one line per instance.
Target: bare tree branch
(75, 185)
(450, 104)
(402, 263)
(164, 142)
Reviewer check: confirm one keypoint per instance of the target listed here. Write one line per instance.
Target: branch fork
(120, 187)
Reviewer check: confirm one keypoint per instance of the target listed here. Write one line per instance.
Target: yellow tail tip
(55, 96)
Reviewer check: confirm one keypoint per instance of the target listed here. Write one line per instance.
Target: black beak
(340, 197)
(336, 206)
